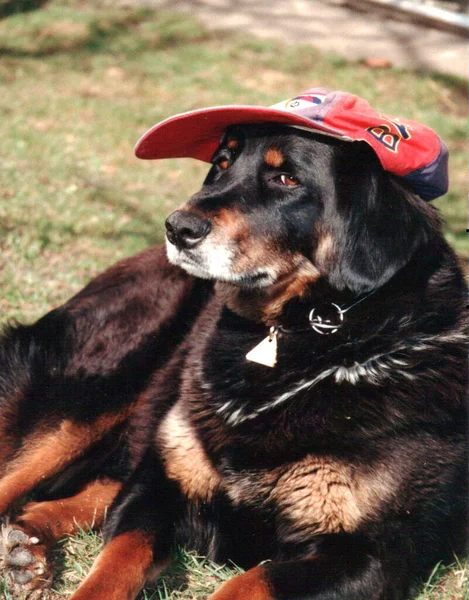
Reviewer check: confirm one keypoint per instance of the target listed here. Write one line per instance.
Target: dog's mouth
(216, 261)
(259, 279)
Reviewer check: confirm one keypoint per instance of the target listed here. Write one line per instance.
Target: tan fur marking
(251, 585)
(120, 571)
(184, 456)
(317, 494)
(274, 158)
(232, 143)
(251, 251)
(325, 251)
(45, 454)
(294, 287)
(266, 305)
(8, 435)
(232, 224)
(55, 519)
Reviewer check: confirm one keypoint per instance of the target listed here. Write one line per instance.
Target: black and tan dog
(344, 464)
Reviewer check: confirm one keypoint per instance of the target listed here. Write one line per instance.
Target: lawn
(80, 82)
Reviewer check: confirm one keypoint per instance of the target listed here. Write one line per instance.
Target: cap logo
(300, 102)
(387, 137)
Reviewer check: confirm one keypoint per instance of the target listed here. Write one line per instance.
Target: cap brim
(197, 134)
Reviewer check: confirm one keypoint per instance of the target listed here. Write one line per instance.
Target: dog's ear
(378, 223)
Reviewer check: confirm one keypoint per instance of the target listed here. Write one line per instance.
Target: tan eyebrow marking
(274, 158)
(232, 143)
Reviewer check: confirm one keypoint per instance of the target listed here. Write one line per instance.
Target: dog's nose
(185, 229)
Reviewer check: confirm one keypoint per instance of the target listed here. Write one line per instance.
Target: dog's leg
(122, 568)
(25, 544)
(44, 454)
(346, 567)
(140, 533)
(55, 519)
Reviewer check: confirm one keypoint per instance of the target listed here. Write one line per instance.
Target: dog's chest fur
(287, 442)
(317, 494)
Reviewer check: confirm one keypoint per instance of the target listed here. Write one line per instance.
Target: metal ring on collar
(323, 325)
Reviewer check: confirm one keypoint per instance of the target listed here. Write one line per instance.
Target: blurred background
(81, 80)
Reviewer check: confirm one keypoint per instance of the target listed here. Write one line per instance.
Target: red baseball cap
(405, 148)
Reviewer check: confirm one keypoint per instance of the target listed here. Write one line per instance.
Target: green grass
(192, 577)
(80, 82)
(446, 583)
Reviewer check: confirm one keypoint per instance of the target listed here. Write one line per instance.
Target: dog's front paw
(23, 561)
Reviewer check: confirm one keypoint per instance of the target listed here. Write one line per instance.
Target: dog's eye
(287, 180)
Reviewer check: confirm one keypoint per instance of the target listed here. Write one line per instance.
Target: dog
(283, 387)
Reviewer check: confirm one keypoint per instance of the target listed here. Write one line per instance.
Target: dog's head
(280, 203)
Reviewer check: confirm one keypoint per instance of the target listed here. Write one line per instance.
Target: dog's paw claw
(23, 559)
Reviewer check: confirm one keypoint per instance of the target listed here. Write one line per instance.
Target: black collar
(325, 319)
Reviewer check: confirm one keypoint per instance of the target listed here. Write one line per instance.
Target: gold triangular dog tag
(265, 353)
